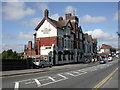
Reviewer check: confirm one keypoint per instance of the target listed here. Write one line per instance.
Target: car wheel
(42, 66)
(50, 65)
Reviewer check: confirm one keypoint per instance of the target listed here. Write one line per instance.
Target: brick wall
(48, 41)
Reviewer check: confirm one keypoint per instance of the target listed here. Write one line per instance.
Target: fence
(15, 64)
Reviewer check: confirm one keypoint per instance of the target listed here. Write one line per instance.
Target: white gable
(46, 30)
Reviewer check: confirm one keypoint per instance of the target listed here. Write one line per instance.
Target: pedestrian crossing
(46, 80)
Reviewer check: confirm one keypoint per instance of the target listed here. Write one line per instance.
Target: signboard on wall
(107, 50)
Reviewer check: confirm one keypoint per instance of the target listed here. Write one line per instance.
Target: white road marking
(38, 83)
(30, 82)
(62, 76)
(25, 80)
(52, 79)
(16, 85)
(83, 72)
(71, 73)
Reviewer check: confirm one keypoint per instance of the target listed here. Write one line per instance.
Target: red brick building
(57, 41)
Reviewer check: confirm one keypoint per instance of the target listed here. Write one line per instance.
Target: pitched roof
(85, 34)
(56, 24)
(63, 23)
(89, 37)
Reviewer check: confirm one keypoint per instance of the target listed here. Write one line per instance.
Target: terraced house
(61, 41)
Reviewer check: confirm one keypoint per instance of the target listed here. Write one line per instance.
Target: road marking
(104, 80)
(16, 85)
(70, 74)
(62, 76)
(52, 79)
(83, 72)
(38, 83)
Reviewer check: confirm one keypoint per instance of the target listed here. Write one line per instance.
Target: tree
(9, 54)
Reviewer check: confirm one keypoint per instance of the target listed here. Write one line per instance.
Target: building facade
(59, 42)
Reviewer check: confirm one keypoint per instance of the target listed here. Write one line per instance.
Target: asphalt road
(90, 76)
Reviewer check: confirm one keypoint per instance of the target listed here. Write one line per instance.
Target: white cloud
(94, 19)
(25, 36)
(117, 15)
(15, 47)
(33, 22)
(42, 6)
(70, 9)
(16, 10)
(55, 16)
(102, 36)
(20, 36)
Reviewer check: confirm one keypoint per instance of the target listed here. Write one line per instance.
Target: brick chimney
(68, 16)
(60, 19)
(46, 13)
(29, 44)
(35, 40)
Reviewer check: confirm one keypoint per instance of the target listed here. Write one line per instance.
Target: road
(93, 75)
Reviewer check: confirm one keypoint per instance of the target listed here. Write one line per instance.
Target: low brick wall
(15, 64)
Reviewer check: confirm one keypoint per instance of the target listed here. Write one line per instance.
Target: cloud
(25, 36)
(15, 47)
(42, 6)
(16, 10)
(94, 19)
(117, 15)
(55, 16)
(20, 36)
(70, 9)
(33, 22)
(102, 36)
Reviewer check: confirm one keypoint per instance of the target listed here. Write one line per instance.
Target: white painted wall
(47, 25)
(44, 51)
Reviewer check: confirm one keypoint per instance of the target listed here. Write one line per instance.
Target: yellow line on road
(104, 80)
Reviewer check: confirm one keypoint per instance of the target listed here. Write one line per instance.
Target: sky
(19, 19)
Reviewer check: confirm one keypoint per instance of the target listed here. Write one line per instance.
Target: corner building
(59, 42)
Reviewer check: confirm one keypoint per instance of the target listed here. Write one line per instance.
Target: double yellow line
(104, 80)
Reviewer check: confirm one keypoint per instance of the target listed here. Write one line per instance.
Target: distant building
(106, 50)
(60, 41)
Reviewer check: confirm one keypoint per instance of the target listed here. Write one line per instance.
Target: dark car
(86, 60)
(42, 63)
(102, 61)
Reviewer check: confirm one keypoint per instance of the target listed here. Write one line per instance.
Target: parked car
(102, 61)
(87, 60)
(41, 63)
(110, 59)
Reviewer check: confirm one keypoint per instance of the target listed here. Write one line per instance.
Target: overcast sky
(19, 19)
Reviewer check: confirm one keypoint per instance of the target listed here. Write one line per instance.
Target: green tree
(9, 54)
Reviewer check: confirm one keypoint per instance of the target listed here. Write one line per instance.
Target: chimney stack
(46, 13)
(68, 16)
(29, 44)
(60, 19)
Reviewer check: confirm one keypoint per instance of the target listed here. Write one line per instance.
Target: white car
(110, 59)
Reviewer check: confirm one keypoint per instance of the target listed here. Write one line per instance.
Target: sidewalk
(26, 71)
